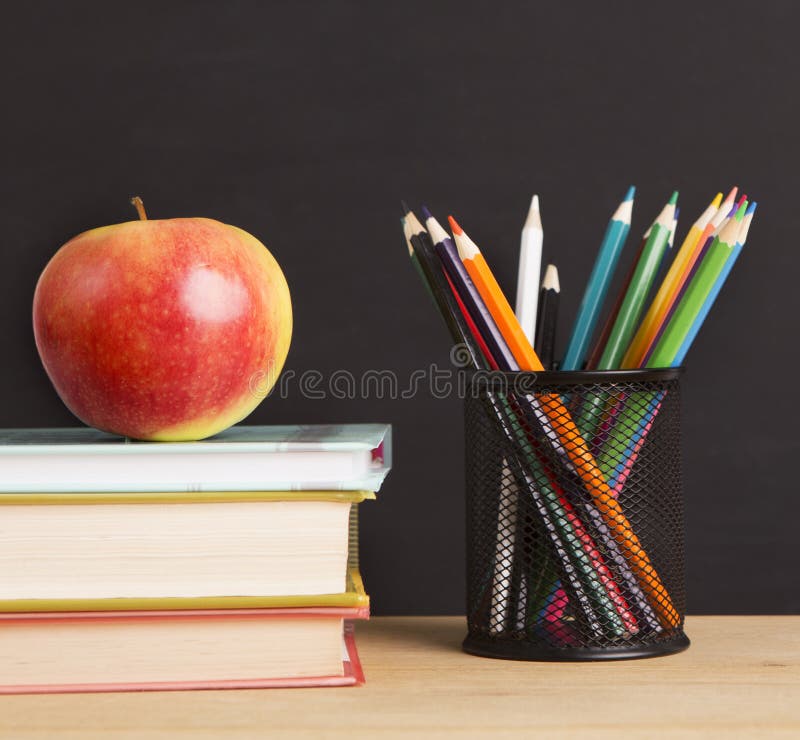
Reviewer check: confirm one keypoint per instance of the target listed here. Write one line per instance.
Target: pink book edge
(353, 673)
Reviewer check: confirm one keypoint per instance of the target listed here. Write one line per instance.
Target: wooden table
(741, 677)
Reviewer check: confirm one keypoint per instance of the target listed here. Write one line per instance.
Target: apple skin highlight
(164, 330)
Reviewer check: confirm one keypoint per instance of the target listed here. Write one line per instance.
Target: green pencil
(638, 409)
(692, 302)
(631, 310)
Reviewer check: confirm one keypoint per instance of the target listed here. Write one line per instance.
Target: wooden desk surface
(741, 677)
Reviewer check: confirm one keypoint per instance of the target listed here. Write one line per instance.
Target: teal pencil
(599, 281)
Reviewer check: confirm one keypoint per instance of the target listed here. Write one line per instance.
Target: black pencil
(424, 257)
(548, 317)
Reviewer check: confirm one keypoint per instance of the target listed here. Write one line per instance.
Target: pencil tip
(673, 198)
(535, 204)
(454, 227)
(550, 281)
(405, 207)
(751, 209)
(730, 197)
(426, 214)
(631, 192)
(717, 201)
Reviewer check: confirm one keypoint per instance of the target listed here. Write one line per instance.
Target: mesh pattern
(574, 515)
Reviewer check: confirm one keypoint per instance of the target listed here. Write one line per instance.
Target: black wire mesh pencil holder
(575, 535)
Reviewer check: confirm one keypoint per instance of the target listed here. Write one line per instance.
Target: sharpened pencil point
(673, 198)
(751, 208)
(717, 200)
(730, 197)
(550, 281)
(631, 193)
(454, 227)
(405, 207)
(740, 211)
(426, 214)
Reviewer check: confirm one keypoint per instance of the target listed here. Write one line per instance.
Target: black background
(305, 123)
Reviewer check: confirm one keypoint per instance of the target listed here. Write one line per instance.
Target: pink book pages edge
(352, 670)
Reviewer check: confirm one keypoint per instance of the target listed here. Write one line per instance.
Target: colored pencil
(605, 332)
(622, 464)
(633, 418)
(718, 221)
(672, 283)
(598, 285)
(424, 258)
(594, 407)
(547, 321)
(671, 340)
(720, 281)
(530, 267)
(505, 546)
(468, 292)
(635, 296)
(493, 297)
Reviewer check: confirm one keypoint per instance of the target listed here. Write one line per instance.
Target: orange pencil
(495, 300)
(564, 428)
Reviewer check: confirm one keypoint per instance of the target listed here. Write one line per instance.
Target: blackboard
(305, 123)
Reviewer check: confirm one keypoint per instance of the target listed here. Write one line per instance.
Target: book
(348, 457)
(178, 550)
(165, 650)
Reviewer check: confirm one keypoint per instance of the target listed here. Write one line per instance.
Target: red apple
(165, 329)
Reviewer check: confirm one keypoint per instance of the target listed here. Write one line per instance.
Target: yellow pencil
(670, 286)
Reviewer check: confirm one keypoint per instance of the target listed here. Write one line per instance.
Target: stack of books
(226, 563)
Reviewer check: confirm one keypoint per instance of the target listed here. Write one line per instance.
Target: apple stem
(137, 201)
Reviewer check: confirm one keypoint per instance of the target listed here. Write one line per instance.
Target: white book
(349, 457)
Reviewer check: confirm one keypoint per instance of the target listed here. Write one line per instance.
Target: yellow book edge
(181, 497)
(353, 597)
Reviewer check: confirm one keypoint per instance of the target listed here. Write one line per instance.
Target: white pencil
(530, 268)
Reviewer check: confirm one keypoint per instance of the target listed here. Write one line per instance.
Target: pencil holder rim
(575, 377)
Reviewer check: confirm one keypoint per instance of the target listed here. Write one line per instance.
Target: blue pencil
(598, 284)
